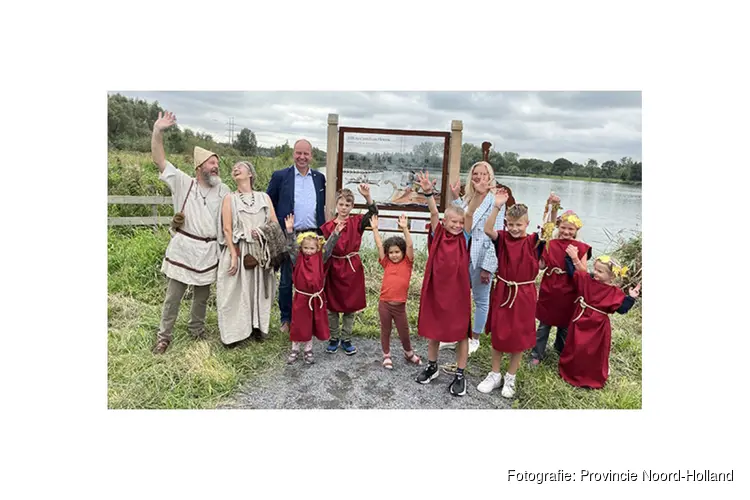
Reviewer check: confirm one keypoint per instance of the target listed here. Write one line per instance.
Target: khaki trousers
(175, 292)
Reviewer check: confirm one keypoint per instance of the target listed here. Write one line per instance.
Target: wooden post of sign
(454, 162)
(332, 153)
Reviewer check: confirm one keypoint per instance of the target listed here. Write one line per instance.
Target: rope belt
(312, 296)
(554, 270)
(585, 306)
(513, 292)
(347, 257)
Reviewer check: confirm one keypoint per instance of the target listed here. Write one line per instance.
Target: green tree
(591, 166)
(635, 171)
(470, 154)
(510, 158)
(608, 168)
(560, 166)
(246, 143)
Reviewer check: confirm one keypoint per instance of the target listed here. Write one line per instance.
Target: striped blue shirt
(304, 201)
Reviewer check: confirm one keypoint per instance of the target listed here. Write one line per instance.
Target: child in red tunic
(557, 293)
(511, 320)
(445, 302)
(308, 255)
(396, 256)
(345, 276)
(585, 360)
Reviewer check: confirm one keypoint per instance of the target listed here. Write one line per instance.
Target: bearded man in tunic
(192, 256)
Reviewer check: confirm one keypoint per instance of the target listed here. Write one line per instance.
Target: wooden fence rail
(418, 223)
(153, 220)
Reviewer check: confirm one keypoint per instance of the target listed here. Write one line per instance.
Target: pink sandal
(413, 358)
(387, 363)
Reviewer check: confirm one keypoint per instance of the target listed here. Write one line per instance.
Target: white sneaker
(490, 383)
(509, 389)
(473, 346)
(447, 345)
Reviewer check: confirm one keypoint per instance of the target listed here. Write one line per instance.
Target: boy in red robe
(511, 320)
(308, 255)
(585, 360)
(345, 276)
(445, 302)
(557, 292)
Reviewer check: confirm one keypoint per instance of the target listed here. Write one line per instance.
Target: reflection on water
(614, 207)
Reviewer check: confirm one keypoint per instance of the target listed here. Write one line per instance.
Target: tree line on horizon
(130, 122)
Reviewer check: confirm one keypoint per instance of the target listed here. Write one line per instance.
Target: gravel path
(360, 381)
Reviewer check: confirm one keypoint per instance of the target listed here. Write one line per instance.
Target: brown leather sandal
(293, 355)
(160, 347)
(308, 356)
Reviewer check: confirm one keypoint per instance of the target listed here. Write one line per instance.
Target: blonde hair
(345, 193)
(517, 211)
(455, 209)
(469, 190)
(312, 236)
(614, 267)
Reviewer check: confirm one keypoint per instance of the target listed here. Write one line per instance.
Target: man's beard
(211, 180)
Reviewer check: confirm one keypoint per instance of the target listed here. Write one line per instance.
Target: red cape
(345, 287)
(445, 301)
(584, 361)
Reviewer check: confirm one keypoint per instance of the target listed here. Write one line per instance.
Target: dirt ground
(360, 381)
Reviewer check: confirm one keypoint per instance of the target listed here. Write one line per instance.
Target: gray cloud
(547, 125)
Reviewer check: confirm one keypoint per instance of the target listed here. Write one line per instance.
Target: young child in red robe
(511, 320)
(308, 255)
(396, 256)
(345, 276)
(557, 293)
(445, 302)
(584, 361)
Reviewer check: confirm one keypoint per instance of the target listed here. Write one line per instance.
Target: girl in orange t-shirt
(396, 256)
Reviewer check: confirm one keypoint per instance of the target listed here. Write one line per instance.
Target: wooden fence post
(454, 162)
(332, 154)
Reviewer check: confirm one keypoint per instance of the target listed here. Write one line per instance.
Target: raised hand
(364, 190)
(481, 186)
(424, 181)
(553, 199)
(456, 189)
(340, 225)
(572, 251)
(501, 197)
(634, 292)
(164, 121)
(374, 222)
(289, 222)
(402, 222)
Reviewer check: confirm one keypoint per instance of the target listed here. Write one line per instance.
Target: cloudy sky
(546, 125)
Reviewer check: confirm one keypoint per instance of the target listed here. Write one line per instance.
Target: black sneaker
(348, 348)
(458, 386)
(428, 374)
(333, 346)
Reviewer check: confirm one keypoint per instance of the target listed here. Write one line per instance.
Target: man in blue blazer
(300, 191)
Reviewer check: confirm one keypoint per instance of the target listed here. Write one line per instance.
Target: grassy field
(202, 374)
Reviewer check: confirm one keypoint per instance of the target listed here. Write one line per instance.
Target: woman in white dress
(245, 286)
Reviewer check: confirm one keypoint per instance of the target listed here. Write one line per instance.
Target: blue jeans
(285, 291)
(481, 294)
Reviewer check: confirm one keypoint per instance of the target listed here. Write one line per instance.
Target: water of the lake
(603, 207)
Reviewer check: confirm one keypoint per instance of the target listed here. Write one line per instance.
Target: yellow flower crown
(618, 270)
(572, 219)
(310, 234)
